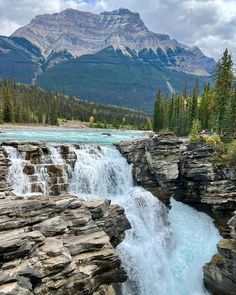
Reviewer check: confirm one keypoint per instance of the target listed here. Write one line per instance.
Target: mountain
(19, 59)
(110, 57)
(85, 33)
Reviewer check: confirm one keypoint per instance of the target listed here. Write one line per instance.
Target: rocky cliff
(57, 244)
(155, 163)
(190, 173)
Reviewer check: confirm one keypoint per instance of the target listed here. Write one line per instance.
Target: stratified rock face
(207, 185)
(155, 163)
(84, 33)
(59, 245)
(4, 166)
(220, 273)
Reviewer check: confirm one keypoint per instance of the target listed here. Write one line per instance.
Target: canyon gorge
(62, 232)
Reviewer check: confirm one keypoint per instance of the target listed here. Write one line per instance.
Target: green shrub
(231, 153)
(213, 139)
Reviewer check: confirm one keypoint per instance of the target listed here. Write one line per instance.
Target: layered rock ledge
(167, 167)
(155, 163)
(59, 245)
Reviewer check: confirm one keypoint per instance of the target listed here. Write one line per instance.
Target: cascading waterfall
(98, 172)
(16, 176)
(162, 253)
(55, 155)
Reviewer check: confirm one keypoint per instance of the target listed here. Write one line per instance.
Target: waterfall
(163, 253)
(16, 176)
(55, 155)
(99, 172)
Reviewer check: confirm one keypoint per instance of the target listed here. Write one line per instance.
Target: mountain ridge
(111, 57)
(82, 33)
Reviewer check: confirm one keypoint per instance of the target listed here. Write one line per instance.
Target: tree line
(214, 110)
(30, 104)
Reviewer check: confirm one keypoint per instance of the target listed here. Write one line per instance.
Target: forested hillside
(214, 110)
(127, 80)
(30, 104)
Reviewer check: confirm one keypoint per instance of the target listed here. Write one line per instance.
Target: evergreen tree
(223, 88)
(158, 113)
(171, 115)
(204, 108)
(7, 105)
(229, 120)
(194, 104)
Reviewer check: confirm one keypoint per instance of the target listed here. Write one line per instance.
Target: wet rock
(220, 273)
(29, 169)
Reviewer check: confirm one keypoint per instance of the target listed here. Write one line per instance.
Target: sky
(209, 24)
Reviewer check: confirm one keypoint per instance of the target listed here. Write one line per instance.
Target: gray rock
(155, 163)
(59, 245)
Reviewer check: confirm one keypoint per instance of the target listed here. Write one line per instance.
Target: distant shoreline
(80, 126)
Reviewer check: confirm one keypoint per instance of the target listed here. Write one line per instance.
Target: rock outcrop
(4, 165)
(155, 163)
(59, 245)
(192, 175)
(207, 185)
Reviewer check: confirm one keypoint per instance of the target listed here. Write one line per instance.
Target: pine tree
(229, 120)
(223, 87)
(194, 103)
(158, 113)
(7, 104)
(171, 115)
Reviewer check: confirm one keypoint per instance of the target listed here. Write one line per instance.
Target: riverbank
(64, 125)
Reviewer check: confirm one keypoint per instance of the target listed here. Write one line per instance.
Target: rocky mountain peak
(120, 11)
(80, 33)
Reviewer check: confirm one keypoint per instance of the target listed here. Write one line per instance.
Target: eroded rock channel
(59, 237)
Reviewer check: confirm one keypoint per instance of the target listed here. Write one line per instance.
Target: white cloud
(210, 24)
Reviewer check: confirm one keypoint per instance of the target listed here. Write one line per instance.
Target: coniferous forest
(30, 104)
(213, 110)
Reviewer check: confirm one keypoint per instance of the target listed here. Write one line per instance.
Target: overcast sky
(209, 24)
